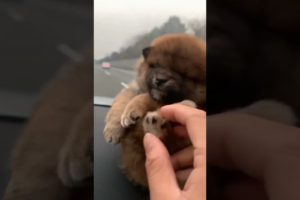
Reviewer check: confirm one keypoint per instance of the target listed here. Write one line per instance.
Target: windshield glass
(124, 28)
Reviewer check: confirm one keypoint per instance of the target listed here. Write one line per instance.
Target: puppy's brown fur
(172, 69)
(54, 152)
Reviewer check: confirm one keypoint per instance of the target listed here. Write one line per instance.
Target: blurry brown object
(253, 56)
(55, 152)
(172, 70)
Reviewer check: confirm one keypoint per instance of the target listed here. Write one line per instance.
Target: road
(37, 37)
(109, 82)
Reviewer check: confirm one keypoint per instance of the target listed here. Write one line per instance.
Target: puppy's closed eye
(154, 65)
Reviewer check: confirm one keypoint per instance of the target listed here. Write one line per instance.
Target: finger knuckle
(154, 165)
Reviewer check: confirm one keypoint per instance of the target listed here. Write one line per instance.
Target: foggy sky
(116, 22)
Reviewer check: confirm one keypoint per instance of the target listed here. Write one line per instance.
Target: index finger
(193, 119)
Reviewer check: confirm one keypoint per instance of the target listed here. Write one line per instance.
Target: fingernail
(148, 142)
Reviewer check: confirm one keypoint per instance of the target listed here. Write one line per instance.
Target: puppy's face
(164, 85)
(172, 69)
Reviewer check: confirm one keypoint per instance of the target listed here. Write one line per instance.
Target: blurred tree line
(198, 28)
(173, 25)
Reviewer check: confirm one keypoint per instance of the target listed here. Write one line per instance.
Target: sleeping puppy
(171, 70)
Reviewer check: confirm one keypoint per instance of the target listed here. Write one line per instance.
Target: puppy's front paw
(130, 116)
(155, 124)
(75, 165)
(113, 133)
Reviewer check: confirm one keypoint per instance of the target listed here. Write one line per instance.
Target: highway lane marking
(107, 72)
(124, 85)
(120, 75)
(68, 51)
(124, 71)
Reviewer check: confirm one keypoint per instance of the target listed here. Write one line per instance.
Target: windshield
(124, 28)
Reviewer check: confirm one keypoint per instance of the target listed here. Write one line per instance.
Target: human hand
(265, 152)
(161, 175)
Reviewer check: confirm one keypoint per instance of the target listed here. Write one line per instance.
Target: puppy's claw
(129, 118)
(112, 134)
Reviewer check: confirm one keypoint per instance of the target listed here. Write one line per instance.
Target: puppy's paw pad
(129, 118)
(155, 124)
(75, 168)
(113, 133)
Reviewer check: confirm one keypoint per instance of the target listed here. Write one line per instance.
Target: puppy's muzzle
(159, 82)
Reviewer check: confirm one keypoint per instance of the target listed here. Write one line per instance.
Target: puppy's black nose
(160, 81)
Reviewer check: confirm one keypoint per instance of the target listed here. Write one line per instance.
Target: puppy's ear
(146, 52)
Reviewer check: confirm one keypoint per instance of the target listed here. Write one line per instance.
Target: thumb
(160, 173)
